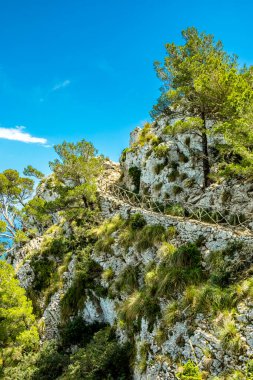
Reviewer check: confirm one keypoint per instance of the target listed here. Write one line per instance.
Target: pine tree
(203, 89)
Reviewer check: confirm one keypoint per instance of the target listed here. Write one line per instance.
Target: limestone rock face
(51, 318)
(170, 168)
(165, 168)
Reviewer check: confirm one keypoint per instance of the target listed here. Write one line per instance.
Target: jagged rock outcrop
(165, 168)
(168, 168)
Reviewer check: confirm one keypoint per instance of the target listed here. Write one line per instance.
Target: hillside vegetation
(94, 287)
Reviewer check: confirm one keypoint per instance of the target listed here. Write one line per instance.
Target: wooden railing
(184, 210)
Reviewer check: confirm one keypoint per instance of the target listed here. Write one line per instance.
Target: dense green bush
(135, 174)
(137, 221)
(178, 269)
(46, 364)
(77, 332)
(150, 235)
(44, 268)
(161, 151)
(102, 358)
(189, 371)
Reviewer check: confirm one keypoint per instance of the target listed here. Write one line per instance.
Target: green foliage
(124, 153)
(161, 151)
(44, 267)
(104, 232)
(77, 332)
(54, 250)
(189, 371)
(202, 81)
(127, 280)
(30, 171)
(223, 266)
(18, 332)
(149, 236)
(102, 358)
(86, 273)
(107, 274)
(76, 172)
(178, 268)
(135, 174)
(145, 136)
(46, 364)
(137, 221)
(143, 351)
(140, 304)
(37, 209)
(229, 336)
(171, 232)
(175, 210)
(14, 193)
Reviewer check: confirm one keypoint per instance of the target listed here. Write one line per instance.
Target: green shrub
(189, 371)
(137, 221)
(175, 210)
(230, 337)
(77, 332)
(141, 304)
(45, 269)
(104, 244)
(161, 151)
(249, 370)
(102, 358)
(179, 268)
(208, 298)
(150, 235)
(135, 174)
(143, 351)
(127, 281)
(107, 274)
(171, 232)
(224, 268)
(124, 153)
(46, 364)
(104, 234)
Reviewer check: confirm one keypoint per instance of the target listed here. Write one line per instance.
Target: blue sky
(84, 68)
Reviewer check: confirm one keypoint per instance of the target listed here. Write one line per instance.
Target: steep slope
(171, 292)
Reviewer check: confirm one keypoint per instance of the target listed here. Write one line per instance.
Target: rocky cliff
(177, 288)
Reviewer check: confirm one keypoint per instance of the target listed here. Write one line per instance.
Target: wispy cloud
(61, 85)
(18, 134)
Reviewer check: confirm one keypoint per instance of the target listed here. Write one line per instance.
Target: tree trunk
(206, 164)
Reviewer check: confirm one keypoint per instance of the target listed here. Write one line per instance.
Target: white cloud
(60, 85)
(18, 134)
